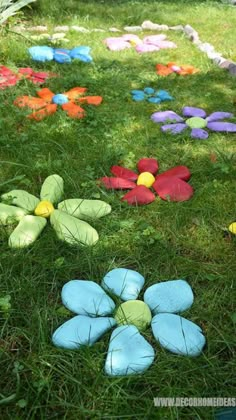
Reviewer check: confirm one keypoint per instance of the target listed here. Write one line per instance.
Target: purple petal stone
(174, 128)
(190, 111)
(165, 116)
(199, 133)
(222, 126)
(215, 116)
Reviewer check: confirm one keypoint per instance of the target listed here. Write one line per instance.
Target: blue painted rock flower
(196, 120)
(68, 220)
(151, 95)
(129, 352)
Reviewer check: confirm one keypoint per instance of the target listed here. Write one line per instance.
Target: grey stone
(38, 28)
(133, 28)
(62, 28)
(98, 30)
(148, 24)
(79, 29)
(232, 69)
(177, 28)
(114, 30)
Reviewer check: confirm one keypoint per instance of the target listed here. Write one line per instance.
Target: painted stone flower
(170, 68)
(196, 120)
(60, 55)
(151, 95)
(9, 78)
(170, 185)
(48, 102)
(68, 220)
(129, 352)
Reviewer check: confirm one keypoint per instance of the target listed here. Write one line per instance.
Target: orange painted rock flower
(48, 102)
(183, 70)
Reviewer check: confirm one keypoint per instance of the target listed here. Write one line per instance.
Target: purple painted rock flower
(196, 119)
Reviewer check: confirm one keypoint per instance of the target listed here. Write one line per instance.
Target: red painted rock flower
(9, 78)
(48, 102)
(170, 185)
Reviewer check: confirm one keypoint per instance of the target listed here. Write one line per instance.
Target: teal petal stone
(128, 353)
(86, 297)
(178, 335)
(81, 331)
(170, 296)
(123, 283)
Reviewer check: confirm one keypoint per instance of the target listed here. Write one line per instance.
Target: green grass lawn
(162, 241)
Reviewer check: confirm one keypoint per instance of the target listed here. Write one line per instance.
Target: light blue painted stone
(138, 92)
(41, 53)
(60, 99)
(81, 331)
(164, 95)
(124, 283)
(154, 100)
(86, 298)
(138, 98)
(170, 296)
(128, 353)
(149, 91)
(178, 335)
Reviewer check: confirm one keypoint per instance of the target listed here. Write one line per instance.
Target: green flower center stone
(196, 122)
(134, 312)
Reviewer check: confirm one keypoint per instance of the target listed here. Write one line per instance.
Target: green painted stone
(72, 230)
(196, 122)
(52, 189)
(85, 209)
(9, 215)
(27, 231)
(134, 312)
(21, 199)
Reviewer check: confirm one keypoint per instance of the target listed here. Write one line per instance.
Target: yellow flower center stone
(44, 209)
(232, 228)
(146, 178)
(196, 122)
(134, 312)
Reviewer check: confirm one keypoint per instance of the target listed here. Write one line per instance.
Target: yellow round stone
(232, 228)
(134, 312)
(44, 209)
(146, 178)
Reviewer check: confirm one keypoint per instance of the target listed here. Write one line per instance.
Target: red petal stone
(139, 196)
(117, 183)
(148, 165)
(173, 189)
(181, 172)
(124, 173)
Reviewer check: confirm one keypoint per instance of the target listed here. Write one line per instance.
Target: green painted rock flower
(32, 214)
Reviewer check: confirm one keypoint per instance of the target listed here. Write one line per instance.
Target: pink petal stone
(148, 165)
(124, 173)
(173, 189)
(117, 183)
(140, 196)
(181, 172)
(143, 48)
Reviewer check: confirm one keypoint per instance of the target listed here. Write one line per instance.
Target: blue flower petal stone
(138, 98)
(170, 296)
(149, 91)
(60, 99)
(123, 283)
(154, 100)
(178, 335)
(86, 297)
(81, 331)
(128, 353)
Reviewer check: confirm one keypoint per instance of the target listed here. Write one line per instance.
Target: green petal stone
(196, 122)
(134, 312)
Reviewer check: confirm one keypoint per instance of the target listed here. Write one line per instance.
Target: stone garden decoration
(129, 352)
(68, 220)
